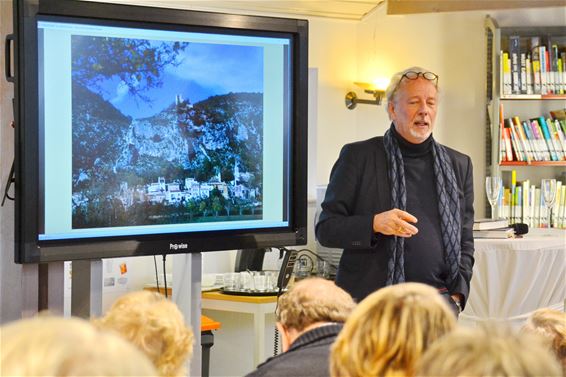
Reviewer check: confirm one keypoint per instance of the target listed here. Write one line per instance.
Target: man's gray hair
(393, 86)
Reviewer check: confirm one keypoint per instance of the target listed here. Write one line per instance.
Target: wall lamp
(352, 99)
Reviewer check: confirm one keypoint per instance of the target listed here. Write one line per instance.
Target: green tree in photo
(138, 63)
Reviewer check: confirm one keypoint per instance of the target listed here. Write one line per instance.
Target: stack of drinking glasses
(248, 282)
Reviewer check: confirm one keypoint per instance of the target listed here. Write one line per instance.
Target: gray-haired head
(395, 82)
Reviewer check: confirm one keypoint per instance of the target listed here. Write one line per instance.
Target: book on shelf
(523, 202)
(514, 56)
(495, 233)
(537, 139)
(532, 141)
(508, 145)
(487, 224)
(537, 205)
(562, 208)
(506, 69)
(529, 75)
(543, 70)
(558, 135)
(553, 57)
(515, 142)
(542, 144)
(548, 138)
(535, 58)
(562, 71)
(502, 143)
(525, 144)
(540, 70)
(523, 73)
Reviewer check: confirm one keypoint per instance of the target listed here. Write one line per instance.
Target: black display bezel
(27, 207)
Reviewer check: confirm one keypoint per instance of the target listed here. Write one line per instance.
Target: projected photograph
(165, 132)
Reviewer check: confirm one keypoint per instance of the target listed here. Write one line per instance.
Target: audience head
(53, 346)
(551, 325)
(156, 326)
(390, 330)
(309, 303)
(488, 350)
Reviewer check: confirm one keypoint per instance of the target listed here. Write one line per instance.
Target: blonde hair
(551, 325)
(389, 331)
(488, 350)
(313, 300)
(54, 346)
(156, 326)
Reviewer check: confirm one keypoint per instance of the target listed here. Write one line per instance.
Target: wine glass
(548, 190)
(493, 190)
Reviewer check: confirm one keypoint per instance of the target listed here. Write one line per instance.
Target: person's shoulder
(456, 155)
(268, 366)
(364, 146)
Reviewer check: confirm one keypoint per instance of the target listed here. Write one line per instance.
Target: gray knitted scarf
(448, 207)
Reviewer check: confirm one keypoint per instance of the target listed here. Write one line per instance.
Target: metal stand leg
(187, 295)
(86, 290)
(30, 290)
(55, 287)
(43, 288)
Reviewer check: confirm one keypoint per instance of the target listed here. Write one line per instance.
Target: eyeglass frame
(418, 74)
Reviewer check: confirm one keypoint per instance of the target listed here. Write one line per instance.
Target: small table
(207, 341)
(514, 277)
(258, 306)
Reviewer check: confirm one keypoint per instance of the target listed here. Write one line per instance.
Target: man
(401, 205)
(309, 317)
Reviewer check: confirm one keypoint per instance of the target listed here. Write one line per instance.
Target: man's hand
(458, 298)
(395, 223)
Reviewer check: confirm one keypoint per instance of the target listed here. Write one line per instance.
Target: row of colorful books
(532, 67)
(536, 139)
(524, 203)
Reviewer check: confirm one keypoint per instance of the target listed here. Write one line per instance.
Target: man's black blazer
(358, 189)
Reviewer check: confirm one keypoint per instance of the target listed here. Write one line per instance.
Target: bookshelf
(526, 103)
(532, 163)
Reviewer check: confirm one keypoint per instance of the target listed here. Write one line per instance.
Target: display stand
(42, 288)
(86, 292)
(86, 288)
(187, 272)
(30, 290)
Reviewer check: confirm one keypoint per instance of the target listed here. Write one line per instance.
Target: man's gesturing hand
(395, 223)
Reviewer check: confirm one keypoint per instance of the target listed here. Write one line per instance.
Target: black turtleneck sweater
(424, 252)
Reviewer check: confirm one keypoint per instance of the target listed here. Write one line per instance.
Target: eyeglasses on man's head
(413, 75)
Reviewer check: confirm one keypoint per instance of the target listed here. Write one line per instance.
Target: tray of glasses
(247, 292)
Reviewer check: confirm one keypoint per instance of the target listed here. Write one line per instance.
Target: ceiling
(339, 9)
(342, 9)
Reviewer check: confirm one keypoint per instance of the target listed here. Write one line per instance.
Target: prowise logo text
(178, 246)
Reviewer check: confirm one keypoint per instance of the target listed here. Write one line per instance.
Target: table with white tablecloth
(514, 277)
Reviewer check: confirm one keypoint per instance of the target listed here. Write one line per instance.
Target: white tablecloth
(514, 277)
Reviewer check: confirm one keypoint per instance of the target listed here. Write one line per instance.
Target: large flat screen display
(154, 131)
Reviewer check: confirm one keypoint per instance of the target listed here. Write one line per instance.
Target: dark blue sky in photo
(205, 70)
